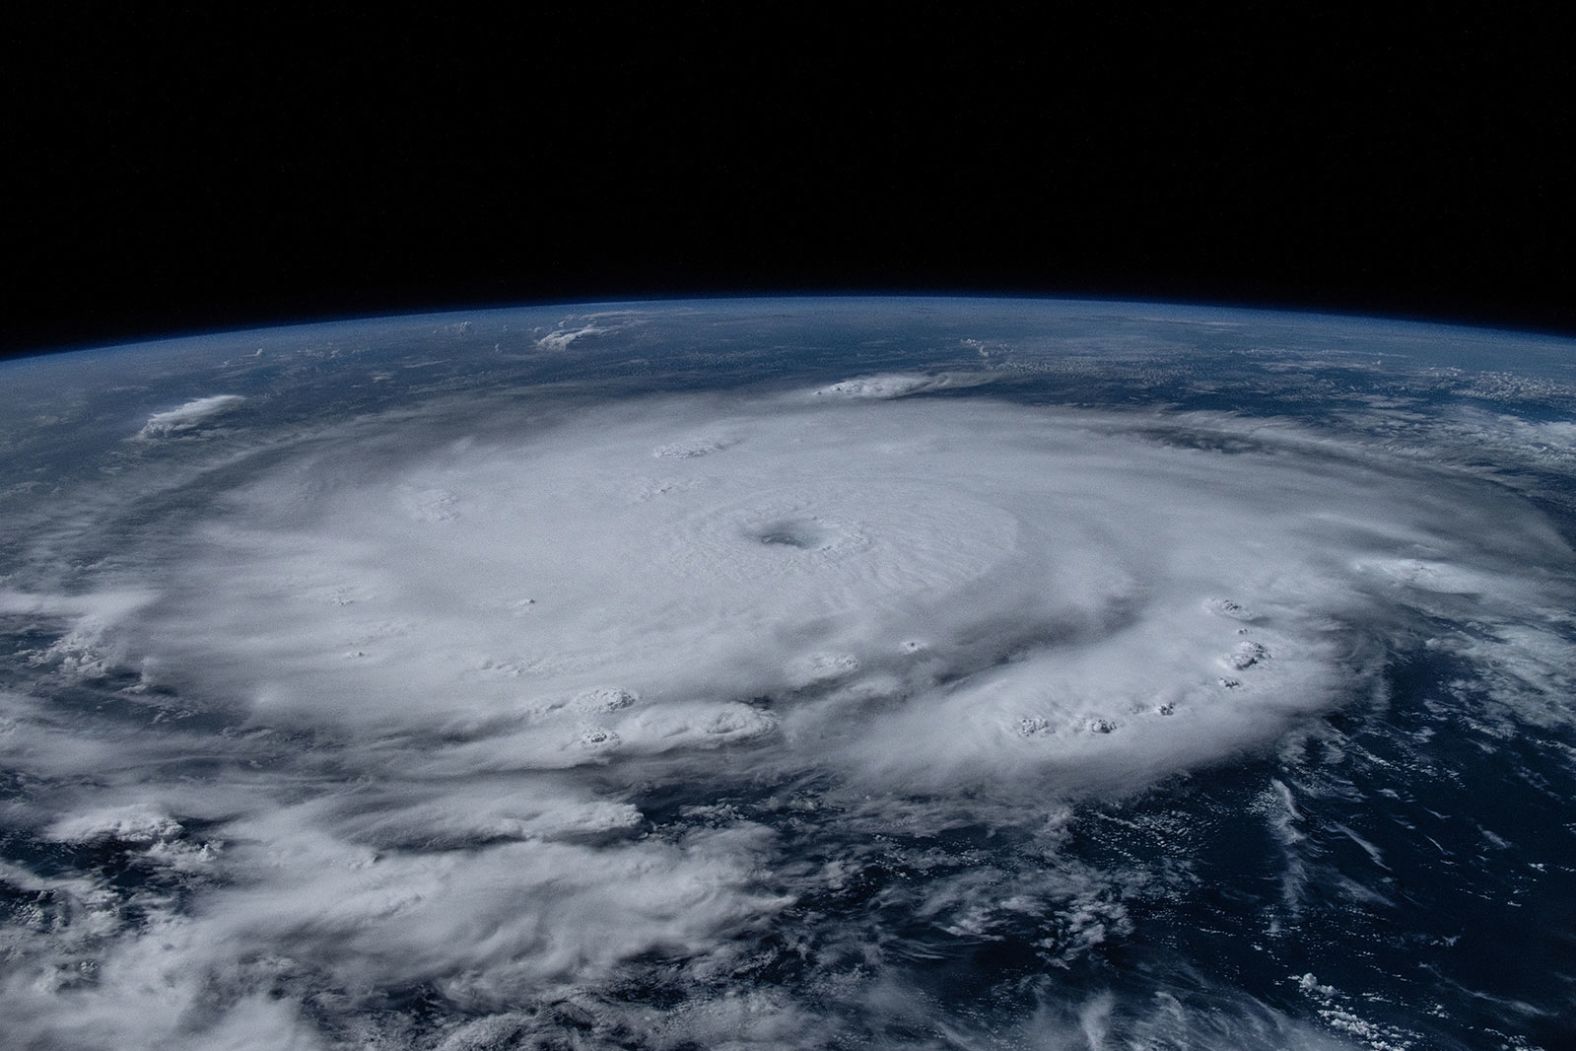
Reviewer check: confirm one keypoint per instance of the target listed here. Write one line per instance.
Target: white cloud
(823, 533)
(899, 384)
(578, 327)
(188, 417)
(559, 339)
(423, 689)
(136, 823)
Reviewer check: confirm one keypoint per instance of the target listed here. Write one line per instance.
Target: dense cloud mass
(930, 594)
(413, 704)
(188, 417)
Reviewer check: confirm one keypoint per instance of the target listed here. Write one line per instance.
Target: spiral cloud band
(907, 592)
(443, 666)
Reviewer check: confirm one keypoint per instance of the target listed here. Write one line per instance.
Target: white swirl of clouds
(446, 675)
(932, 590)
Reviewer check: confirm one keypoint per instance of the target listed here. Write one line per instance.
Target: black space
(190, 167)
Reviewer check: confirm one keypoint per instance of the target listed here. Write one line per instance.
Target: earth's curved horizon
(954, 672)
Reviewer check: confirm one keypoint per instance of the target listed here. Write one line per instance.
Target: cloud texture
(405, 707)
(188, 417)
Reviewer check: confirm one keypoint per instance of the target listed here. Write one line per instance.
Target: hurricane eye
(803, 534)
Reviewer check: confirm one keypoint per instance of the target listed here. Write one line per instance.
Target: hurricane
(787, 674)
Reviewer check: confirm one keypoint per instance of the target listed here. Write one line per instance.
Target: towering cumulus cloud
(426, 705)
(189, 417)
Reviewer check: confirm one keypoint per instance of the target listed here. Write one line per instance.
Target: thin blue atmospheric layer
(792, 673)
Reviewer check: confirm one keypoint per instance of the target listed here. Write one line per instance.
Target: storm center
(801, 533)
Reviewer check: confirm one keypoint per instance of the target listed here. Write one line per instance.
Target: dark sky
(189, 167)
